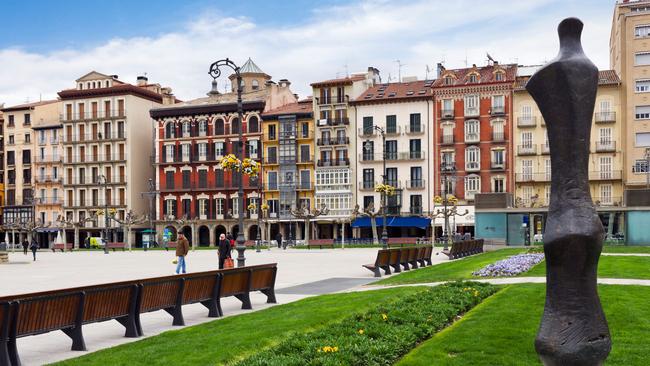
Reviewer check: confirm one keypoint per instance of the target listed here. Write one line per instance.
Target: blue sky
(46, 45)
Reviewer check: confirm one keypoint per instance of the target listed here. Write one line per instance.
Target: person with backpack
(34, 247)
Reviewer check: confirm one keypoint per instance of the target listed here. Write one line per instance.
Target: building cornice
(188, 110)
(124, 89)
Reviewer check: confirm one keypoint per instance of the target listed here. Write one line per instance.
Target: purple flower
(511, 266)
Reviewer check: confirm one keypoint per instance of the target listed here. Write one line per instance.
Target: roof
(94, 75)
(20, 107)
(302, 108)
(119, 89)
(397, 91)
(486, 75)
(605, 77)
(249, 67)
(340, 81)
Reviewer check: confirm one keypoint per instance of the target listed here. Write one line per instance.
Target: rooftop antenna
(399, 70)
(466, 57)
(347, 74)
(389, 78)
(426, 73)
(490, 59)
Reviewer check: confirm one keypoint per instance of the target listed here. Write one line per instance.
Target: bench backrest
(159, 294)
(200, 287)
(394, 256)
(44, 314)
(109, 303)
(263, 277)
(403, 255)
(4, 320)
(383, 257)
(235, 281)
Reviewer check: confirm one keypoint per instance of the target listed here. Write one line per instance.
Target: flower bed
(511, 266)
(379, 336)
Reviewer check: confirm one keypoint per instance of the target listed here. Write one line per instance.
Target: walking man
(224, 250)
(34, 247)
(25, 246)
(182, 248)
(278, 238)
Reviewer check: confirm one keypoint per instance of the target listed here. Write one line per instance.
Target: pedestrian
(182, 248)
(230, 239)
(25, 246)
(224, 250)
(34, 247)
(278, 238)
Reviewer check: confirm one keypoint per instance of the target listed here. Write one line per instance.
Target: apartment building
(404, 111)
(630, 59)
(336, 138)
(288, 166)
(2, 164)
(48, 181)
(107, 145)
(191, 139)
(19, 153)
(473, 127)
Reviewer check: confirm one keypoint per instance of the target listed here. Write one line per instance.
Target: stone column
(212, 235)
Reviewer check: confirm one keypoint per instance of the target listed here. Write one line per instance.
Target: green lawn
(231, 339)
(453, 270)
(610, 267)
(502, 329)
(626, 249)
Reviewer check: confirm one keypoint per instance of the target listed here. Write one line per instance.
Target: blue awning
(393, 221)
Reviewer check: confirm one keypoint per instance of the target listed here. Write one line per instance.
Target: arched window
(473, 78)
(218, 127)
(472, 131)
(203, 127)
(253, 124)
(472, 158)
(186, 129)
(234, 125)
(472, 186)
(449, 80)
(255, 85)
(169, 130)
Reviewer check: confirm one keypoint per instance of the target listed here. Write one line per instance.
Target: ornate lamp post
(304, 213)
(103, 181)
(150, 194)
(265, 209)
(215, 72)
(448, 201)
(384, 196)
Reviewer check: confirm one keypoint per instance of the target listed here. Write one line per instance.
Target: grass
(502, 329)
(231, 339)
(610, 267)
(457, 269)
(626, 249)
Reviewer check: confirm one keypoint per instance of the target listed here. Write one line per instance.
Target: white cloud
(368, 33)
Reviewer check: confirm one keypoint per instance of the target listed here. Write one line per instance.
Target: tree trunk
(128, 237)
(76, 238)
(375, 238)
(306, 231)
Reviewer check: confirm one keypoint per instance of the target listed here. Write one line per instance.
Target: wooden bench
(320, 243)
(263, 280)
(4, 332)
(382, 262)
(464, 248)
(116, 245)
(402, 242)
(62, 247)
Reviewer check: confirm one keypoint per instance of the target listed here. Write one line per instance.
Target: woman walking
(224, 250)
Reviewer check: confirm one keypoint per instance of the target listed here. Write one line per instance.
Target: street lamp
(448, 171)
(215, 72)
(151, 194)
(101, 179)
(384, 198)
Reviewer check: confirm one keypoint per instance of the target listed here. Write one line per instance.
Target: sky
(45, 45)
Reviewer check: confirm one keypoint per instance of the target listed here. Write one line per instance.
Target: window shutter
(164, 208)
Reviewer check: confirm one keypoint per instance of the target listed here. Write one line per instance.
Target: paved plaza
(301, 273)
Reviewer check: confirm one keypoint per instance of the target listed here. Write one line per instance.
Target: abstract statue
(573, 331)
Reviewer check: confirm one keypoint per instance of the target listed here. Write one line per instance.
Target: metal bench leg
(4, 353)
(75, 333)
(245, 301)
(270, 296)
(386, 270)
(219, 307)
(129, 324)
(213, 312)
(177, 313)
(12, 351)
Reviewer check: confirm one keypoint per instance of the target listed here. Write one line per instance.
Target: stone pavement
(301, 273)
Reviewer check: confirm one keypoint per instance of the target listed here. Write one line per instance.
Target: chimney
(167, 96)
(496, 63)
(114, 77)
(284, 83)
(141, 80)
(439, 70)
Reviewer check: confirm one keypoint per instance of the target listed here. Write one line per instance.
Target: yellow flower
(335, 349)
(361, 331)
(384, 317)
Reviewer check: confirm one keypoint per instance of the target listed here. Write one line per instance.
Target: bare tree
(129, 220)
(306, 215)
(372, 214)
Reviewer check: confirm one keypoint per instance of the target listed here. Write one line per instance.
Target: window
(498, 104)
(305, 179)
(642, 31)
(41, 137)
(391, 177)
(448, 108)
(415, 149)
(527, 170)
(605, 136)
(169, 153)
(416, 204)
(255, 85)
(472, 186)
(498, 185)
(272, 179)
(368, 125)
(305, 130)
(449, 80)
(28, 119)
(643, 139)
(186, 178)
(447, 161)
(203, 208)
(219, 203)
(414, 122)
(218, 178)
(605, 194)
(28, 138)
(527, 140)
(497, 131)
(186, 129)
(203, 178)
(305, 154)
(368, 150)
(10, 121)
(471, 105)
(498, 158)
(271, 132)
(547, 169)
(203, 151)
(203, 127)
(472, 158)
(169, 180)
(416, 177)
(640, 166)
(234, 126)
(390, 150)
(218, 127)
(472, 131)
(368, 178)
(185, 151)
(11, 140)
(170, 207)
(235, 206)
(642, 58)
(253, 124)
(498, 76)
(473, 78)
(642, 86)
(391, 124)
(27, 157)
(251, 147)
(187, 207)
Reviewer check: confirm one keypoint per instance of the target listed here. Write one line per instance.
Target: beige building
(532, 159)
(630, 58)
(20, 154)
(107, 148)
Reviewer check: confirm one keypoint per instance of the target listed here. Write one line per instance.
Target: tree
(372, 214)
(129, 220)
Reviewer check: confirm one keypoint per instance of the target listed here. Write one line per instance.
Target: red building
(192, 138)
(473, 134)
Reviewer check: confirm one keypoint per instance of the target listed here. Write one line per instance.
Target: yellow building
(532, 159)
(288, 167)
(630, 58)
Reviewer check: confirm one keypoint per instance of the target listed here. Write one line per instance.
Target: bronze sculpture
(573, 331)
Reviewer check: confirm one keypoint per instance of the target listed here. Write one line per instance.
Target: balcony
(472, 166)
(332, 99)
(271, 187)
(300, 135)
(472, 137)
(336, 121)
(97, 203)
(606, 201)
(96, 115)
(367, 185)
(533, 177)
(415, 210)
(471, 112)
(333, 162)
(324, 141)
(412, 155)
(498, 110)
(370, 157)
(447, 114)
(545, 148)
(367, 132)
(99, 158)
(605, 175)
(498, 137)
(54, 201)
(416, 184)
(523, 150)
(273, 160)
(416, 129)
(394, 183)
(447, 139)
(328, 141)
(47, 179)
(605, 117)
(497, 165)
(49, 159)
(307, 159)
(527, 121)
(605, 146)
(304, 186)
(93, 137)
(112, 179)
(447, 166)
(393, 131)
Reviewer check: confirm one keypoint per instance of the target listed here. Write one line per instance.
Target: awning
(393, 221)
(47, 230)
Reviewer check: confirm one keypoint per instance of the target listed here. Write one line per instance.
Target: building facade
(405, 112)
(473, 127)
(630, 59)
(107, 144)
(191, 139)
(288, 167)
(19, 153)
(335, 144)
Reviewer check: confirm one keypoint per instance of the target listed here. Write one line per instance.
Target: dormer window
(255, 85)
(107, 83)
(449, 80)
(473, 78)
(498, 76)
